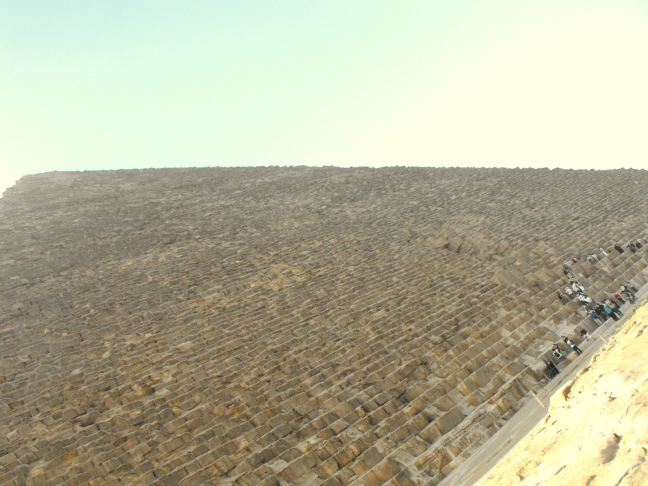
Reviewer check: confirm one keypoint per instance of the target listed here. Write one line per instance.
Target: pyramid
(289, 325)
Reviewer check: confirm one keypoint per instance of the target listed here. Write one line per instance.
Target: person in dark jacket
(551, 369)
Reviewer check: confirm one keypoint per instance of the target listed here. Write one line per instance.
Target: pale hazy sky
(89, 85)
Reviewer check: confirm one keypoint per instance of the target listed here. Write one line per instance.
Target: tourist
(603, 253)
(572, 345)
(576, 287)
(567, 268)
(618, 248)
(600, 312)
(609, 312)
(594, 316)
(585, 300)
(615, 308)
(558, 353)
(551, 368)
(629, 296)
(581, 300)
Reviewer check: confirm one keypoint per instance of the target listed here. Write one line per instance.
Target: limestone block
(455, 243)
(347, 454)
(414, 391)
(333, 482)
(415, 446)
(328, 449)
(327, 468)
(366, 461)
(363, 425)
(381, 473)
(508, 277)
(298, 468)
(431, 433)
(450, 419)
(444, 403)
(437, 242)
(404, 478)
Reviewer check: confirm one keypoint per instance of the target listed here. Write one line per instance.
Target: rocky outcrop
(287, 325)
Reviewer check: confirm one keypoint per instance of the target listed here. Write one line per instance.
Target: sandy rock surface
(596, 432)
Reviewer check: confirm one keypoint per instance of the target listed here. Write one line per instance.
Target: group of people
(592, 257)
(595, 256)
(611, 307)
(598, 312)
(631, 247)
(561, 354)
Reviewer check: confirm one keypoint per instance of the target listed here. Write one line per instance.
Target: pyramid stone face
(288, 325)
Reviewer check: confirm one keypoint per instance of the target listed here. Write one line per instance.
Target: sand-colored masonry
(288, 325)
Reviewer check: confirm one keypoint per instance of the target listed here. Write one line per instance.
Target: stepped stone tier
(262, 326)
